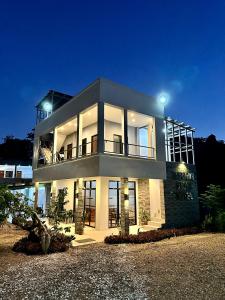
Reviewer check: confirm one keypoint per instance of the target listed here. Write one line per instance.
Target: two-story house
(117, 154)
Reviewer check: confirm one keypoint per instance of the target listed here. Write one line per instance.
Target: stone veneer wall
(143, 195)
(180, 210)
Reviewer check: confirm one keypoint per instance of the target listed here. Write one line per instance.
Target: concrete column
(78, 135)
(36, 187)
(102, 204)
(79, 214)
(101, 130)
(124, 220)
(125, 133)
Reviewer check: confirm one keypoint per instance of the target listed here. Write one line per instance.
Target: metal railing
(141, 151)
(113, 147)
(91, 148)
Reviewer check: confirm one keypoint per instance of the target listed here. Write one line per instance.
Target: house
(118, 156)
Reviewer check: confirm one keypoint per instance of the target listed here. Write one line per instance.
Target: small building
(119, 157)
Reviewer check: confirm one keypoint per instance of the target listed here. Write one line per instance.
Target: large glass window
(141, 135)
(89, 194)
(115, 202)
(114, 127)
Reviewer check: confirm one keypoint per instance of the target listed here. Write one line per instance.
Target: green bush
(220, 222)
(150, 236)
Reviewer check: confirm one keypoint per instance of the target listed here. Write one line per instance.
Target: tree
(213, 200)
(40, 238)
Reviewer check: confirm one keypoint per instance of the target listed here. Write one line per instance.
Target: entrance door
(114, 203)
(118, 146)
(84, 147)
(94, 144)
(90, 202)
(69, 151)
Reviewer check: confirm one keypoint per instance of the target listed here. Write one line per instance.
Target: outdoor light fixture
(47, 106)
(163, 98)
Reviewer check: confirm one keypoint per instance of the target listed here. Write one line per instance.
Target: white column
(102, 204)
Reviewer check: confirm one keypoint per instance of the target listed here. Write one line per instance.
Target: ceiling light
(133, 120)
(132, 114)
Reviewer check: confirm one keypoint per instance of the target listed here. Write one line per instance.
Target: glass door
(89, 202)
(94, 144)
(114, 203)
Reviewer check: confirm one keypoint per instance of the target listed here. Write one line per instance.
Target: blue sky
(174, 46)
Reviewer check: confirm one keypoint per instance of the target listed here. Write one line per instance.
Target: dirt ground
(189, 267)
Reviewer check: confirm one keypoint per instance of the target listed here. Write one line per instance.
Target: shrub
(150, 236)
(31, 244)
(220, 222)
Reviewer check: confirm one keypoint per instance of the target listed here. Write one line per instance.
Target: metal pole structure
(180, 143)
(186, 142)
(173, 143)
(192, 147)
(125, 128)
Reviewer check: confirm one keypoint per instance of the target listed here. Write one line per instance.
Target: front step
(156, 223)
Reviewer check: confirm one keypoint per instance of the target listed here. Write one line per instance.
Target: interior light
(133, 120)
(132, 114)
(89, 113)
(47, 106)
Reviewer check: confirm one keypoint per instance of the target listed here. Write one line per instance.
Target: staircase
(155, 223)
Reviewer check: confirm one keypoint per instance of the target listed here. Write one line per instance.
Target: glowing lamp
(163, 98)
(47, 106)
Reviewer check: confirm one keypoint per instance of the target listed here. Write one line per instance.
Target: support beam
(101, 141)
(78, 135)
(125, 128)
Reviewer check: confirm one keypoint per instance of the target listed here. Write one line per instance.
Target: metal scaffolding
(179, 141)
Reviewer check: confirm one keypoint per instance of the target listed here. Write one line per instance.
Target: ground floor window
(114, 203)
(89, 194)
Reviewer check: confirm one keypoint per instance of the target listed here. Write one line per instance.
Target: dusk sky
(151, 46)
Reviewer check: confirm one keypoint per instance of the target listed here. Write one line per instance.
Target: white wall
(155, 201)
(26, 170)
(69, 183)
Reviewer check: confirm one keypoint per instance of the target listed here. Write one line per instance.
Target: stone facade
(79, 210)
(180, 195)
(143, 195)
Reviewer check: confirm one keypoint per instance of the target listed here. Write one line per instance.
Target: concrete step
(155, 224)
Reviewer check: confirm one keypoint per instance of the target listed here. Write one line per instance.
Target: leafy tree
(24, 215)
(213, 199)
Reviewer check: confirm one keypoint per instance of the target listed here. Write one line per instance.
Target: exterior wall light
(47, 106)
(163, 98)
(182, 168)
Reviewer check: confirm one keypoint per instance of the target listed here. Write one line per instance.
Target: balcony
(100, 129)
(90, 148)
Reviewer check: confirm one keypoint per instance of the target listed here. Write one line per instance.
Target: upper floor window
(141, 135)
(8, 174)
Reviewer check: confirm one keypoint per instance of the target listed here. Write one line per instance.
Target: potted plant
(144, 217)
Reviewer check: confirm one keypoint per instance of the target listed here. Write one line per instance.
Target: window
(89, 202)
(114, 203)
(1, 174)
(8, 174)
(18, 174)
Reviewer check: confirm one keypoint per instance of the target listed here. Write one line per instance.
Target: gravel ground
(190, 267)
